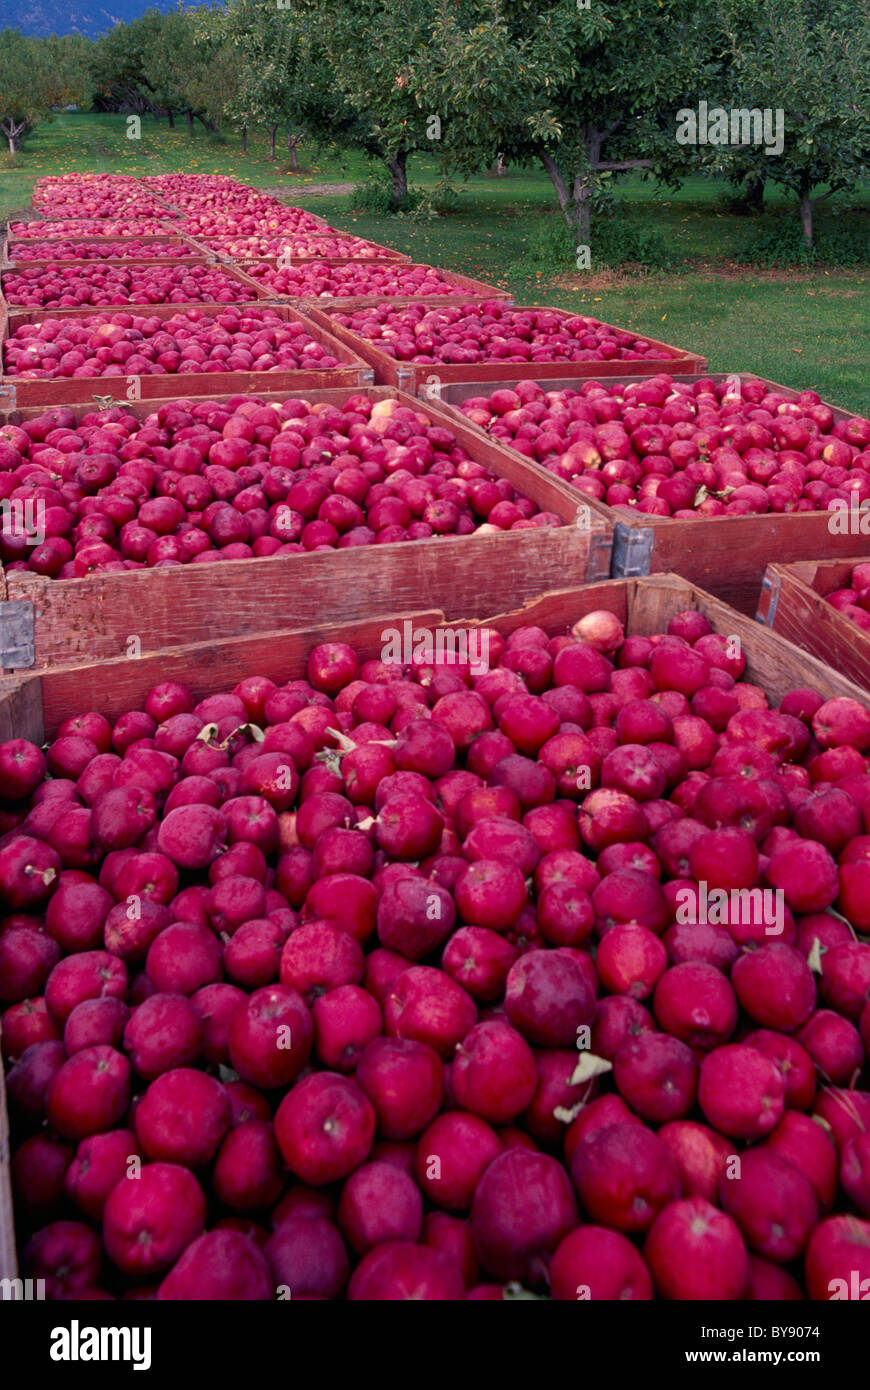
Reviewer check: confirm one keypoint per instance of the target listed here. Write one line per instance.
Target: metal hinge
(599, 562)
(632, 551)
(770, 585)
(17, 648)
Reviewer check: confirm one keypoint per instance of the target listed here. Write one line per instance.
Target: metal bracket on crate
(7, 397)
(771, 585)
(17, 628)
(598, 566)
(632, 551)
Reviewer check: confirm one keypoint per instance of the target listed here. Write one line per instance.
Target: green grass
(85, 143)
(804, 329)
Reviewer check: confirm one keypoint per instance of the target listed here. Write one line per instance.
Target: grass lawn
(802, 328)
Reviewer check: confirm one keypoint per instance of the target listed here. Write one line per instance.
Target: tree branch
(625, 164)
(834, 188)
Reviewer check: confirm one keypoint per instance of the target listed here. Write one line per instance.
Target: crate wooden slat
(490, 375)
(794, 603)
(26, 391)
(463, 288)
(725, 555)
(92, 618)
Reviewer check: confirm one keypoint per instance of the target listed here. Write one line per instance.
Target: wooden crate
(725, 555)
(19, 314)
(25, 391)
(192, 248)
(433, 378)
(33, 706)
(465, 287)
(793, 603)
(74, 620)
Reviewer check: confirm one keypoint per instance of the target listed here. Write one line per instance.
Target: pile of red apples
(125, 344)
(106, 250)
(78, 227)
(729, 448)
(492, 331)
(308, 246)
(378, 984)
(196, 482)
(71, 286)
(96, 195)
(854, 601)
(320, 280)
(252, 221)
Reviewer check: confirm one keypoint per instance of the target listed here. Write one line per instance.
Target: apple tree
(375, 48)
(284, 79)
(809, 59)
(585, 89)
(37, 75)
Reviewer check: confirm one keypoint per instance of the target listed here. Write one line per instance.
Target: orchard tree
(375, 48)
(809, 59)
(212, 81)
(118, 62)
(284, 79)
(588, 90)
(167, 62)
(37, 75)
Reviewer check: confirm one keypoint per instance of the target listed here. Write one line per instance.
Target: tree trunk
(273, 132)
(13, 134)
(244, 139)
(293, 142)
(806, 206)
(755, 193)
(189, 115)
(583, 212)
(398, 169)
(171, 115)
(568, 209)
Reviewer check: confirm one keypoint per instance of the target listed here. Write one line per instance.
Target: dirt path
(319, 190)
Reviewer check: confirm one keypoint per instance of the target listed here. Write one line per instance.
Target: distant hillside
(88, 17)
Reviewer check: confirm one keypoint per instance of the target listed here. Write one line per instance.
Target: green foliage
(811, 60)
(282, 76)
(376, 196)
(35, 76)
(781, 245)
(168, 61)
(616, 243)
(118, 60)
(381, 96)
(586, 92)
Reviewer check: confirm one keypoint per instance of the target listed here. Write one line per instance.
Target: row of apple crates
(47, 623)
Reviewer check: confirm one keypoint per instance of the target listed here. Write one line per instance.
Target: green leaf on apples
(589, 1066)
